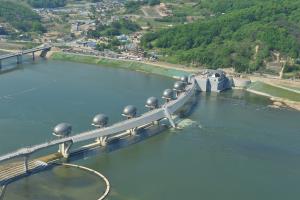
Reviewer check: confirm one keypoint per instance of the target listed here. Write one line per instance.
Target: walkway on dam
(17, 169)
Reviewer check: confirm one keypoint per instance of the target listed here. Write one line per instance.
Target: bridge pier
(133, 131)
(26, 168)
(102, 141)
(169, 117)
(33, 56)
(64, 149)
(156, 123)
(19, 59)
(2, 192)
(44, 53)
(0, 64)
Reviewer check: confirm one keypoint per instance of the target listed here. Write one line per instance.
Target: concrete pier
(2, 192)
(19, 59)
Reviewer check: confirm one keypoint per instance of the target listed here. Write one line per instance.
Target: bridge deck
(10, 55)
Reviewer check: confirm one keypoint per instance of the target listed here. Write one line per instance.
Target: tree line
(47, 3)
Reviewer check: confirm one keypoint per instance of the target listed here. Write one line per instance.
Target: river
(233, 145)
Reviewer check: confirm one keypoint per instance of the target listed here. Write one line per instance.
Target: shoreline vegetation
(280, 97)
(125, 64)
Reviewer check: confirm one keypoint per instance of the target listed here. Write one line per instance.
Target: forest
(47, 3)
(122, 26)
(239, 34)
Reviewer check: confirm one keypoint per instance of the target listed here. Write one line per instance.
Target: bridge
(19, 55)
(184, 93)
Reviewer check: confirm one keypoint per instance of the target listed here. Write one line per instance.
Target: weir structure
(19, 55)
(175, 100)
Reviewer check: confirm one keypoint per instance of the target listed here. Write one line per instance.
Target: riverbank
(279, 96)
(118, 63)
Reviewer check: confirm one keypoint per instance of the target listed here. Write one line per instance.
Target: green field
(275, 91)
(131, 65)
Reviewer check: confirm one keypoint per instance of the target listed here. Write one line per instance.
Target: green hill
(20, 16)
(240, 34)
(47, 3)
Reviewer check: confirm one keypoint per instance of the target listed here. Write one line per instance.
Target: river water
(233, 145)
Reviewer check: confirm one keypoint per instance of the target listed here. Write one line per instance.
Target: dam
(218, 148)
(175, 99)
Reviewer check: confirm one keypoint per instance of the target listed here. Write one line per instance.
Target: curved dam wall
(164, 112)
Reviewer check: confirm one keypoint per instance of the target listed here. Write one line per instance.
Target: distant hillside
(240, 34)
(20, 16)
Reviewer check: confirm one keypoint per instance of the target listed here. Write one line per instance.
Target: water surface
(233, 146)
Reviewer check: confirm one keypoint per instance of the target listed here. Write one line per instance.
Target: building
(214, 81)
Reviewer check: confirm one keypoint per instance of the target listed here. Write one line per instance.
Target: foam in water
(183, 123)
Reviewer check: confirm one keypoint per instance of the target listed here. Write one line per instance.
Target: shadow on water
(118, 143)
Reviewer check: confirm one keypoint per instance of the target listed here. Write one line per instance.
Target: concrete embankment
(126, 64)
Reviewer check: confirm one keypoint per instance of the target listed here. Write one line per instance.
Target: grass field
(275, 91)
(150, 11)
